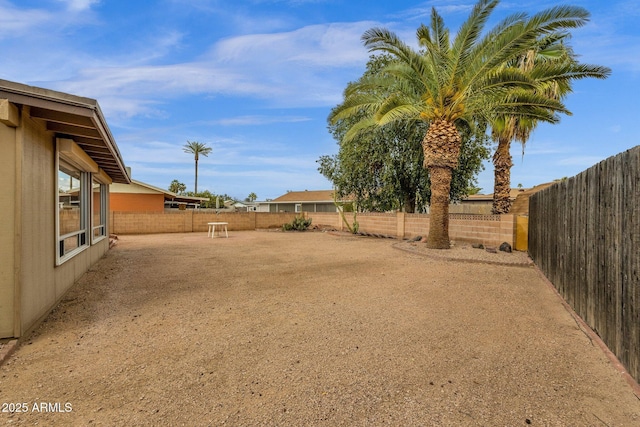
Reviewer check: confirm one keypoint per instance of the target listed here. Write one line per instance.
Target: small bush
(298, 224)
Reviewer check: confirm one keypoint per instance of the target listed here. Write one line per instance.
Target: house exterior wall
(131, 202)
(34, 281)
(7, 227)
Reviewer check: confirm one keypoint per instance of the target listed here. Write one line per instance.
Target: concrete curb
(466, 260)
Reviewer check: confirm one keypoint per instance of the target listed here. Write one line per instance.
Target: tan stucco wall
(37, 212)
(41, 284)
(7, 227)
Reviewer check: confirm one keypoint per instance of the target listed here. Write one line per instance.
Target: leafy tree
(177, 187)
(453, 82)
(554, 66)
(197, 149)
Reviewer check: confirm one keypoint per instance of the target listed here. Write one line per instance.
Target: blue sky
(256, 79)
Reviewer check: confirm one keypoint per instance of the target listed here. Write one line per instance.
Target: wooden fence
(584, 234)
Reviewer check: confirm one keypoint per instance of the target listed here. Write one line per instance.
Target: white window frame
(298, 207)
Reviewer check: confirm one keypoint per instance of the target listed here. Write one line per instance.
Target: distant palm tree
(452, 82)
(554, 66)
(252, 197)
(197, 149)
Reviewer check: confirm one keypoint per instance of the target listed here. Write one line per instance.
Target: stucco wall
(7, 227)
(128, 202)
(30, 246)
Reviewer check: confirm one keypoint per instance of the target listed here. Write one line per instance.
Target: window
(98, 211)
(74, 168)
(72, 211)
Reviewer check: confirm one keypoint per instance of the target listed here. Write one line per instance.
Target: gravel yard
(295, 329)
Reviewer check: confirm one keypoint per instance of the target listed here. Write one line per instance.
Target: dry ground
(293, 329)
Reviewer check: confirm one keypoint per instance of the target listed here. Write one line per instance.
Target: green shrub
(298, 224)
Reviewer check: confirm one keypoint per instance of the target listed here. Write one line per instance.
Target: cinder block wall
(175, 221)
(330, 219)
(489, 230)
(378, 223)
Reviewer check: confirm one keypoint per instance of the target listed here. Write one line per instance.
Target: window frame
(82, 232)
(95, 180)
(72, 158)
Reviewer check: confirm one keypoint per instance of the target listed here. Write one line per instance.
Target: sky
(256, 80)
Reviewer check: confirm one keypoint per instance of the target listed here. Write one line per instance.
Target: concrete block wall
(273, 219)
(331, 219)
(416, 225)
(175, 221)
(489, 230)
(378, 223)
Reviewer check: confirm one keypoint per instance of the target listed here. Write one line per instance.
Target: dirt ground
(295, 329)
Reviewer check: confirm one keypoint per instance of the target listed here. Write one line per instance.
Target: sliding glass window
(73, 211)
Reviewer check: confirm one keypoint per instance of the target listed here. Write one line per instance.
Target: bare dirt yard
(295, 329)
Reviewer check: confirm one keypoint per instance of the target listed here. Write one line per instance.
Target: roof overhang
(71, 117)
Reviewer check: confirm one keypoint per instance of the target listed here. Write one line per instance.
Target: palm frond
(469, 34)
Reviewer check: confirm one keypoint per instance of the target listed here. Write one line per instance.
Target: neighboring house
(303, 201)
(141, 197)
(246, 206)
(57, 158)
(479, 204)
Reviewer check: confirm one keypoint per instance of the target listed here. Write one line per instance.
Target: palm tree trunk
(439, 209)
(502, 164)
(196, 186)
(441, 146)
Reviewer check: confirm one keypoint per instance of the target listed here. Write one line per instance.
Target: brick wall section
(330, 219)
(175, 221)
(273, 220)
(490, 230)
(377, 223)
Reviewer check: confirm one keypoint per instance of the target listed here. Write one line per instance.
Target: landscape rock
(505, 247)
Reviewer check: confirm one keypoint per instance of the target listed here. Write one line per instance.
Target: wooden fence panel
(584, 234)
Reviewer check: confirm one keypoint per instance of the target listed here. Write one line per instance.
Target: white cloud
(259, 120)
(16, 22)
(79, 5)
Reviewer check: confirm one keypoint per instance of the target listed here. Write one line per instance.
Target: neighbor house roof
(305, 196)
(489, 197)
(137, 186)
(72, 117)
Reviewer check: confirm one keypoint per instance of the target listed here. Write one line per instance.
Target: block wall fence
(491, 230)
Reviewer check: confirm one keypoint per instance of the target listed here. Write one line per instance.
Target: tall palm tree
(555, 67)
(463, 80)
(197, 149)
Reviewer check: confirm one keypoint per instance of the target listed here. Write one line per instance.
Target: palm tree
(554, 66)
(452, 82)
(197, 149)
